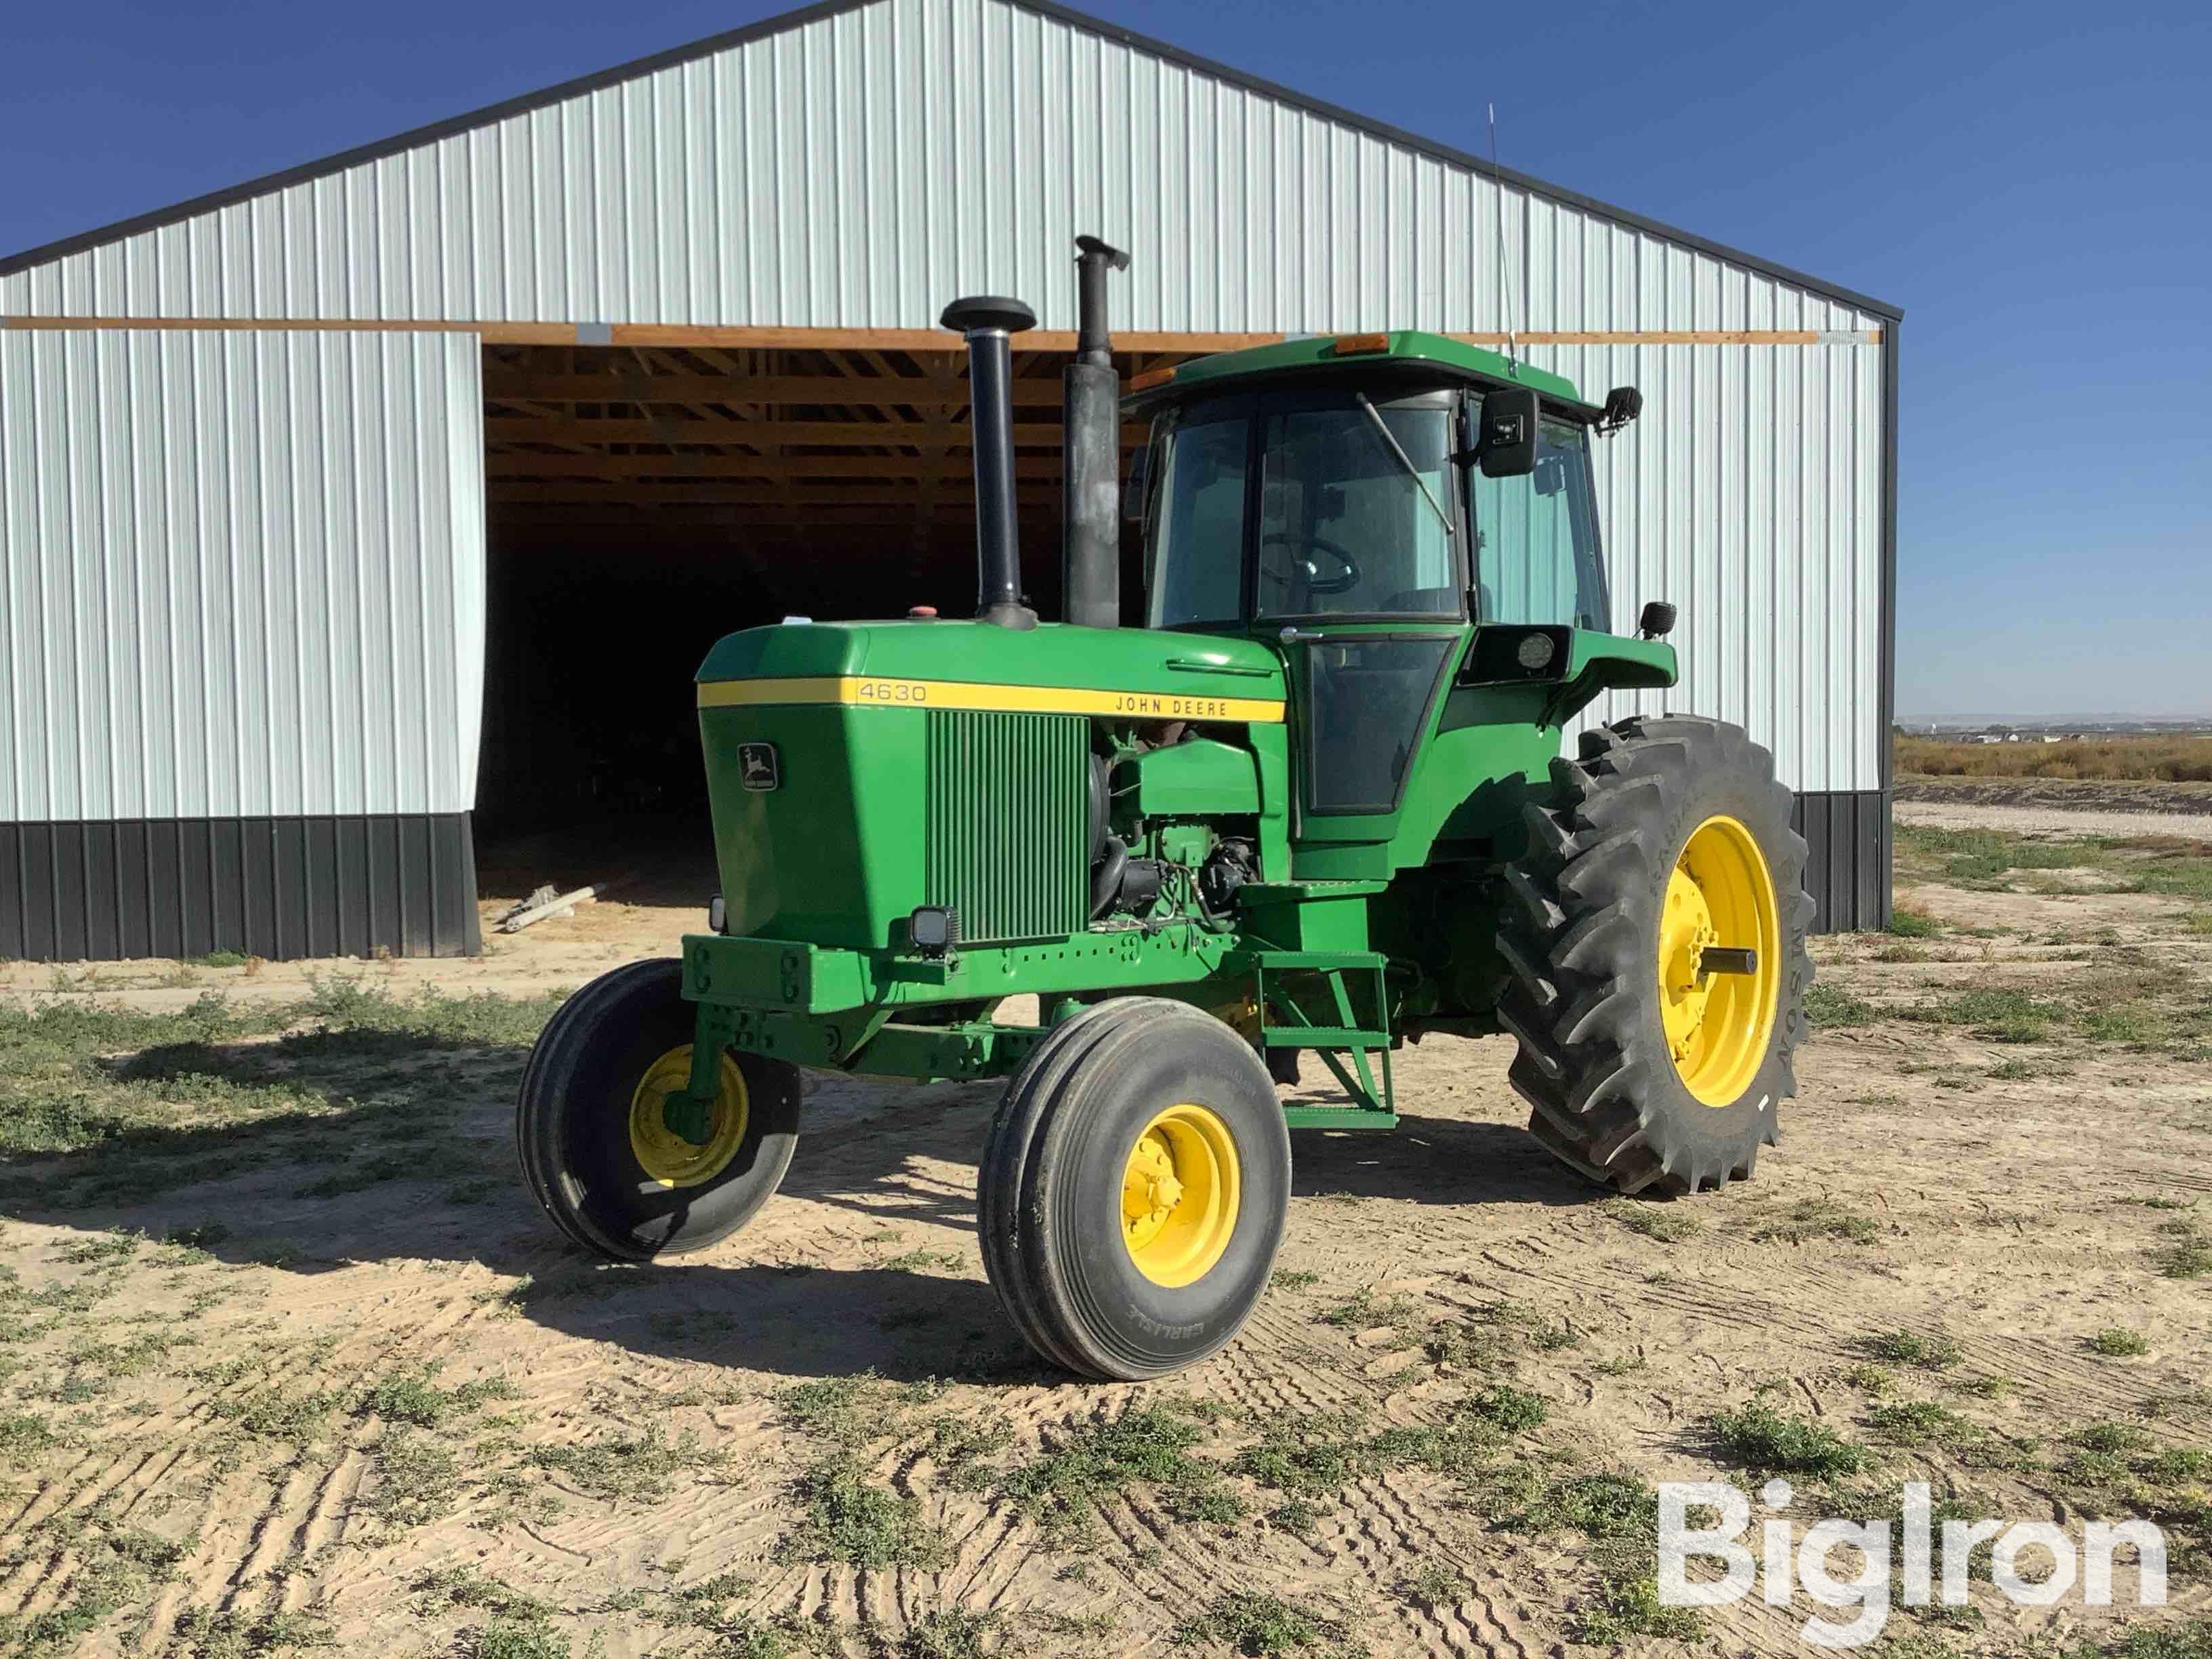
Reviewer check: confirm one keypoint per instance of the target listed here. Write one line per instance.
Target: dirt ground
(363, 1396)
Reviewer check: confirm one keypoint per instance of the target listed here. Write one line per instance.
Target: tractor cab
(1396, 514)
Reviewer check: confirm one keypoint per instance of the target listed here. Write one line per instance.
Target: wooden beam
(508, 464)
(830, 391)
(625, 429)
(651, 496)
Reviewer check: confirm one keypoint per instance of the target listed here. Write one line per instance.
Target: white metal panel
(859, 169)
(241, 574)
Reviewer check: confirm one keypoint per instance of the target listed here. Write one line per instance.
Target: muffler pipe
(1091, 427)
(989, 322)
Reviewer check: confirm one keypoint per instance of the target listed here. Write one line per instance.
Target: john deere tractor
(1314, 807)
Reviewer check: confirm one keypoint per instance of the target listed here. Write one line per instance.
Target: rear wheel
(1133, 1189)
(1657, 945)
(616, 1170)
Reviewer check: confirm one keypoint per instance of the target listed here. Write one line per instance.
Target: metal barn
(362, 521)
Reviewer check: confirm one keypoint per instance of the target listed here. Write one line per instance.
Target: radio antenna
(1504, 298)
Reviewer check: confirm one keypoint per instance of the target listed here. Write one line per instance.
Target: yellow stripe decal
(870, 692)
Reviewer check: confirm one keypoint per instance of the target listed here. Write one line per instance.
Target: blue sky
(2033, 183)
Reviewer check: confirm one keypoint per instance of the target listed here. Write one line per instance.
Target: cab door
(1360, 576)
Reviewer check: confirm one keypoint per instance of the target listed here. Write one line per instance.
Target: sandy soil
(2002, 1209)
(2051, 820)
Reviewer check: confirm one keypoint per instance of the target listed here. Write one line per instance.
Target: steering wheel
(1344, 581)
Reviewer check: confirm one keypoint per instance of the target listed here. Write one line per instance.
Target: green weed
(1814, 1218)
(1761, 1437)
(1663, 1222)
(1257, 1626)
(1907, 923)
(1830, 1009)
(843, 1518)
(1062, 1488)
(626, 1468)
(1628, 1608)
(1930, 1354)
(1921, 1423)
(1293, 1278)
(2114, 1343)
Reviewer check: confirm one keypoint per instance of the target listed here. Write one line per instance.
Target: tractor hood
(1128, 673)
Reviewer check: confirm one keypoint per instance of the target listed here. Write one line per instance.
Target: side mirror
(1658, 621)
(1132, 493)
(1507, 447)
(1622, 404)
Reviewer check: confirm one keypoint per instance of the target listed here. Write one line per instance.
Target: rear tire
(1629, 1084)
(588, 1120)
(1134, 1190)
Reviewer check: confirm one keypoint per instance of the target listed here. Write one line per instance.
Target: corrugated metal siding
(808, 179)
(857, 170)
(243, 574)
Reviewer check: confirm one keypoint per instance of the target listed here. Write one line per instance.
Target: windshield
(1344, 529)
(1535, 538)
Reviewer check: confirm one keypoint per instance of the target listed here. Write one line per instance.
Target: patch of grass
(1063, 1487)
(1361, 1311)
(851, 1411)
(417, 1479)
(25, 1435)
(411, 1394)
(844, 1518)
(2110, 1437)
(233, 1633)
(1906, 922)
(276, 1414)
(1921, 1423)
(1628, 1608)
(1659, 1220)
(2189, 1256)
(1300, 1516)
(513, 1638)
(919, 1261)
(1929, 1353)
(2115, 1343)
(1761, 1437)
(470, 1587)
(1435, 1585)
(627, 1468)
(1831, 1009)
(2189, 1641)
(1257, 1626)
(1996, 1014)
(1293, 1278)
(1815, 1218)
(115, 1567)
(947, 1634)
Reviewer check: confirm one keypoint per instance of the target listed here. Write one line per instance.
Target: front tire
(1134, 1190)
(1643, 1067)
(591, 1128)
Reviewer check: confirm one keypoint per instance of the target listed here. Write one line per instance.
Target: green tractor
(1315, 806)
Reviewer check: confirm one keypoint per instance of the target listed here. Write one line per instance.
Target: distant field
(2149, 760)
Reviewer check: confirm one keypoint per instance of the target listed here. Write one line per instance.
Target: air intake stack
(1091, 438)
(989, 321)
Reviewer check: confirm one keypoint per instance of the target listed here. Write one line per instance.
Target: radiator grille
(1008, 830)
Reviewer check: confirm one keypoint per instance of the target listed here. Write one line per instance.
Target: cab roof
(1322, 352)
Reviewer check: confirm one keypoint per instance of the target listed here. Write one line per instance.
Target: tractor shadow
(316, 1151)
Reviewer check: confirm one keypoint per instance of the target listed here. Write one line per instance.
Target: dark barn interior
(644, 501)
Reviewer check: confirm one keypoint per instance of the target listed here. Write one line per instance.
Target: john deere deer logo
(756, 765)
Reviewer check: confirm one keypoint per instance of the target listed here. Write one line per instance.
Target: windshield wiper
(1405, 461)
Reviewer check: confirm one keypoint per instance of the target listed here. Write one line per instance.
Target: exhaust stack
(989, 321)
(1091, 444)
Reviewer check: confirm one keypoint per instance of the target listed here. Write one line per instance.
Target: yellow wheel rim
(1180, 1190)
(666, 1155)
(1719, 1025)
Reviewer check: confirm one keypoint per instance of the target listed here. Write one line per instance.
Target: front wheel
(1656, 948)
(598, 1148)
(1133, 1189)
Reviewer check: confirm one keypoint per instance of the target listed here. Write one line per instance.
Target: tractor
(1314, 807)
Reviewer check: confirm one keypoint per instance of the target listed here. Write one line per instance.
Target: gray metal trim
(785, 22)
(1847, 842)
(282, 888)
(1887, 754)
